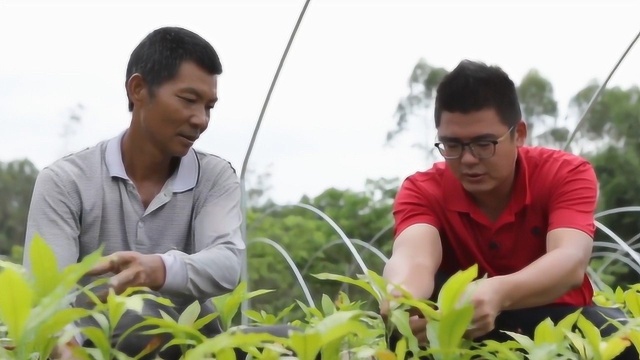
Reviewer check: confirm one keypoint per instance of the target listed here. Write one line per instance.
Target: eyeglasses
(480, 149)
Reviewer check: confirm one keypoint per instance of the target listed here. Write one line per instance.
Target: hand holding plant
(65, 351)
(131, 269)
(417, 321)
(486, 297)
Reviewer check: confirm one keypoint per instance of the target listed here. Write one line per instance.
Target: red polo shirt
(552, 189)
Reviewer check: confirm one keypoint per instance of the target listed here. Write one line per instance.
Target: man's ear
(137, 90)
(521, 133)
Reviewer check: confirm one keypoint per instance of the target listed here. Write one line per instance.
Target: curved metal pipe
(366, 245)
(617, 239)
(597, 94)
(271, 87)
(243, 171)
(595, 279)
(341, 233)
(373, 241)
(292, 265)
(381, 232)
(618, 210)
(608, 261)
(620, 257)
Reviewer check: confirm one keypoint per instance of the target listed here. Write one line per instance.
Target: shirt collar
(456, 198)
(184, 179)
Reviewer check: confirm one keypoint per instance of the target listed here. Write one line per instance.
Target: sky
(335, 99)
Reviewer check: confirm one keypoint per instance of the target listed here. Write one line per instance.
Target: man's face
(178, 111)
(487, 175)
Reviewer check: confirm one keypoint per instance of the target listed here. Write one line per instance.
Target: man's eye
(188, 99)
(451, 146)
(483, 144)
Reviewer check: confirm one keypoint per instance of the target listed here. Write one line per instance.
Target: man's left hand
(132, 269)
(486, 298)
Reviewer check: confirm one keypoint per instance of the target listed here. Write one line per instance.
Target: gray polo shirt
(86, 200)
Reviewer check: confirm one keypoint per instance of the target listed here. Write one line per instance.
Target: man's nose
(200, 119)
(467, 156)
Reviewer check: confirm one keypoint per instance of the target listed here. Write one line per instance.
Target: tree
(417, 106)
(540, 110)
(17, 179)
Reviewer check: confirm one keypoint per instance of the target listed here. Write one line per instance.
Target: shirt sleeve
(54, 214)
(414, 205)
(215, 267)
(573, 202)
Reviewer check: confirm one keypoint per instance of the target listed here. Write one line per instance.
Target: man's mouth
(190, 138)
(473, 176)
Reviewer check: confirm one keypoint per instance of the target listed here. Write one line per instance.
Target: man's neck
(494, 203)
(143, 162)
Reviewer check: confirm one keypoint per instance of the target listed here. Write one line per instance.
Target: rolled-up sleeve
(215, 267)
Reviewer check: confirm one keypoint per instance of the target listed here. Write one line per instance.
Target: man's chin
(477, 187)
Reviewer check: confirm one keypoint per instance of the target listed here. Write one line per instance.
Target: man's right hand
(65, 351)
(417, 322)
(419, 329)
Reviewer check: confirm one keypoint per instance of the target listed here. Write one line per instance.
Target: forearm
(544, 280)
(208, 273)
(417, 254)
(414, 275)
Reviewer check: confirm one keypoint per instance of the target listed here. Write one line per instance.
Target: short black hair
(159, 55)
(474, 86)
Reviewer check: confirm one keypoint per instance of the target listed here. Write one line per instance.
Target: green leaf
(180, 342)
(44, 267)
(425, 308)
(190, 314)
(255, 293)
(579, 344)
(401, 349)
(453, 325)
(228, 304)
(523, 340)
(340, 324)
(400, 319)
(254, 315)
(306, 345)
(570, 320)
(632, 302)
(311, 313)
(284, 313)
(327, 305)
(363, 284)
(51, 327)
(545, 333)
(99, 339)
(221, 344)
(454, 288)
(590, 332)
(619, 295)
(15, 304)
(492, 349)
(9, 265)
(204, 321)
(613, 347)
(331, 350)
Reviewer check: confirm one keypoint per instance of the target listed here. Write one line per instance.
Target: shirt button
(140, 225)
